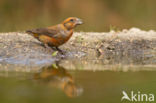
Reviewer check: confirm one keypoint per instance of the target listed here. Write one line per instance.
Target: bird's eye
(71, 20)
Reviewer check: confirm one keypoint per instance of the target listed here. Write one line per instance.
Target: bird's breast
(65, 36)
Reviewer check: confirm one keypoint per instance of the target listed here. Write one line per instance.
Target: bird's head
(72, 22)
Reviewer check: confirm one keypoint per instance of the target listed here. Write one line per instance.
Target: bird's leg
(41, 44)
(47, 47)
(58, 49)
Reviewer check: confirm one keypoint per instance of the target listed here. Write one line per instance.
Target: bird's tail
(29, 31)
(32, 33)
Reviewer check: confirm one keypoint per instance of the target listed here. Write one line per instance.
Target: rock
(125, 47)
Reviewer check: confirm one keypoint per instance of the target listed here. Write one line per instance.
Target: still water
(58, 84)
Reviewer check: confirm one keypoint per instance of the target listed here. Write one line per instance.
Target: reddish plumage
(54, 36)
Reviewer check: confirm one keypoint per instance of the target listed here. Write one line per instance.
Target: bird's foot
(61, 51)
(53, 48)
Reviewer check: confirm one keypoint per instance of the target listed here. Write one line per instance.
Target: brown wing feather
(43, 31)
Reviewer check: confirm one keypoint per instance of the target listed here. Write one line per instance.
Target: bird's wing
(43, 31)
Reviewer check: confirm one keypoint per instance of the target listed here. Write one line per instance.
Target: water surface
(55, 83)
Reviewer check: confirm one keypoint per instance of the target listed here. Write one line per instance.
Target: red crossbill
(54, 36)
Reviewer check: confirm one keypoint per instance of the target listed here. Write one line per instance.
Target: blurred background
(98, 15)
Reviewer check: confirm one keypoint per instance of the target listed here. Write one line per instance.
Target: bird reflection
(57, 76)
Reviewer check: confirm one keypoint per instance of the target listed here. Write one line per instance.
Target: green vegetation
(55, 53)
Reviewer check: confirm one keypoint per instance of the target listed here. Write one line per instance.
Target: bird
(57, 35)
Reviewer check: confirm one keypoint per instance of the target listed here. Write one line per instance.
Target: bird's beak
(79, 21)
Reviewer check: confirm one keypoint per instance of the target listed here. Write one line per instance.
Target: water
(55, 83)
